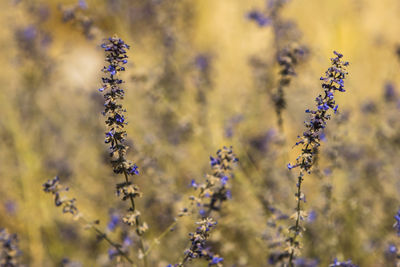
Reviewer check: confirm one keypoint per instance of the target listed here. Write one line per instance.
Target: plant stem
(161, 236)
(133, 208)
(297, 225)
(105, 237)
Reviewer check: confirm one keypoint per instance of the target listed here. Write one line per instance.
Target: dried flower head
(54, 187)
(215, 190)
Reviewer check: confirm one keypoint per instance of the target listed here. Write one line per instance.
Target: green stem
(157, 240)
(105, 237)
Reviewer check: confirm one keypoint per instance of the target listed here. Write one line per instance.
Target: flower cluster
(333, 81)
(215, 190)
(54, 187)
(392, 251)
(9, 251)
(75, 13)
(115, 136)
(289, 52)
(337, 263)
(288, 58)
(397, 223)
(116, 58)
(310, 141)
(198, 247)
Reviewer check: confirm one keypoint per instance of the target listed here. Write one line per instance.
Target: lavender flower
(115, 135)
(302, 262)
(76, 14)
(215, 190)
(390, 94)
(198, 247)
(288, 58)
(397, 224)
(113, 223)
(289, 52)
(310, 140)
(260, 18)
(9, 251)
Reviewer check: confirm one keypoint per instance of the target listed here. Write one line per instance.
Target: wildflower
(397, 224)
(202, 62)
(259, 18)
(198, 241)
(312, 216)
(311, 138)
(116, 57)
(193, 184)
(114, 221)
(290, 166)
(392, 249)
(390, 94)
(289, 52)
(288, 57)
(82, 4)
(216, 186)
(302, 262)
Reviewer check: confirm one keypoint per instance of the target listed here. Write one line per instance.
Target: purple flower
(224, 180)
(202, 62)
(216, 260)
(392, 249)
(229, 194)
(337, 263)
(390, 94)
(114, 221)
(119, 118)
(202, 212)
(133, 170)
(312, 216)
(82, 4)
(30, 33)
(213, 161)
(397, 224)
(127, 241)
(193, 183)
(290, 166)
(259, 18)
(335, 108)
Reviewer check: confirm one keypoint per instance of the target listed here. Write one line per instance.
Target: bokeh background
(200, 76)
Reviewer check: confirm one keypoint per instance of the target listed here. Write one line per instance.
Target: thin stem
(133, 208)
(298, 209)
(184, 260)
(105, 237)
(157, 240)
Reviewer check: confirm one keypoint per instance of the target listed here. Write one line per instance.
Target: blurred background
(201, 75)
